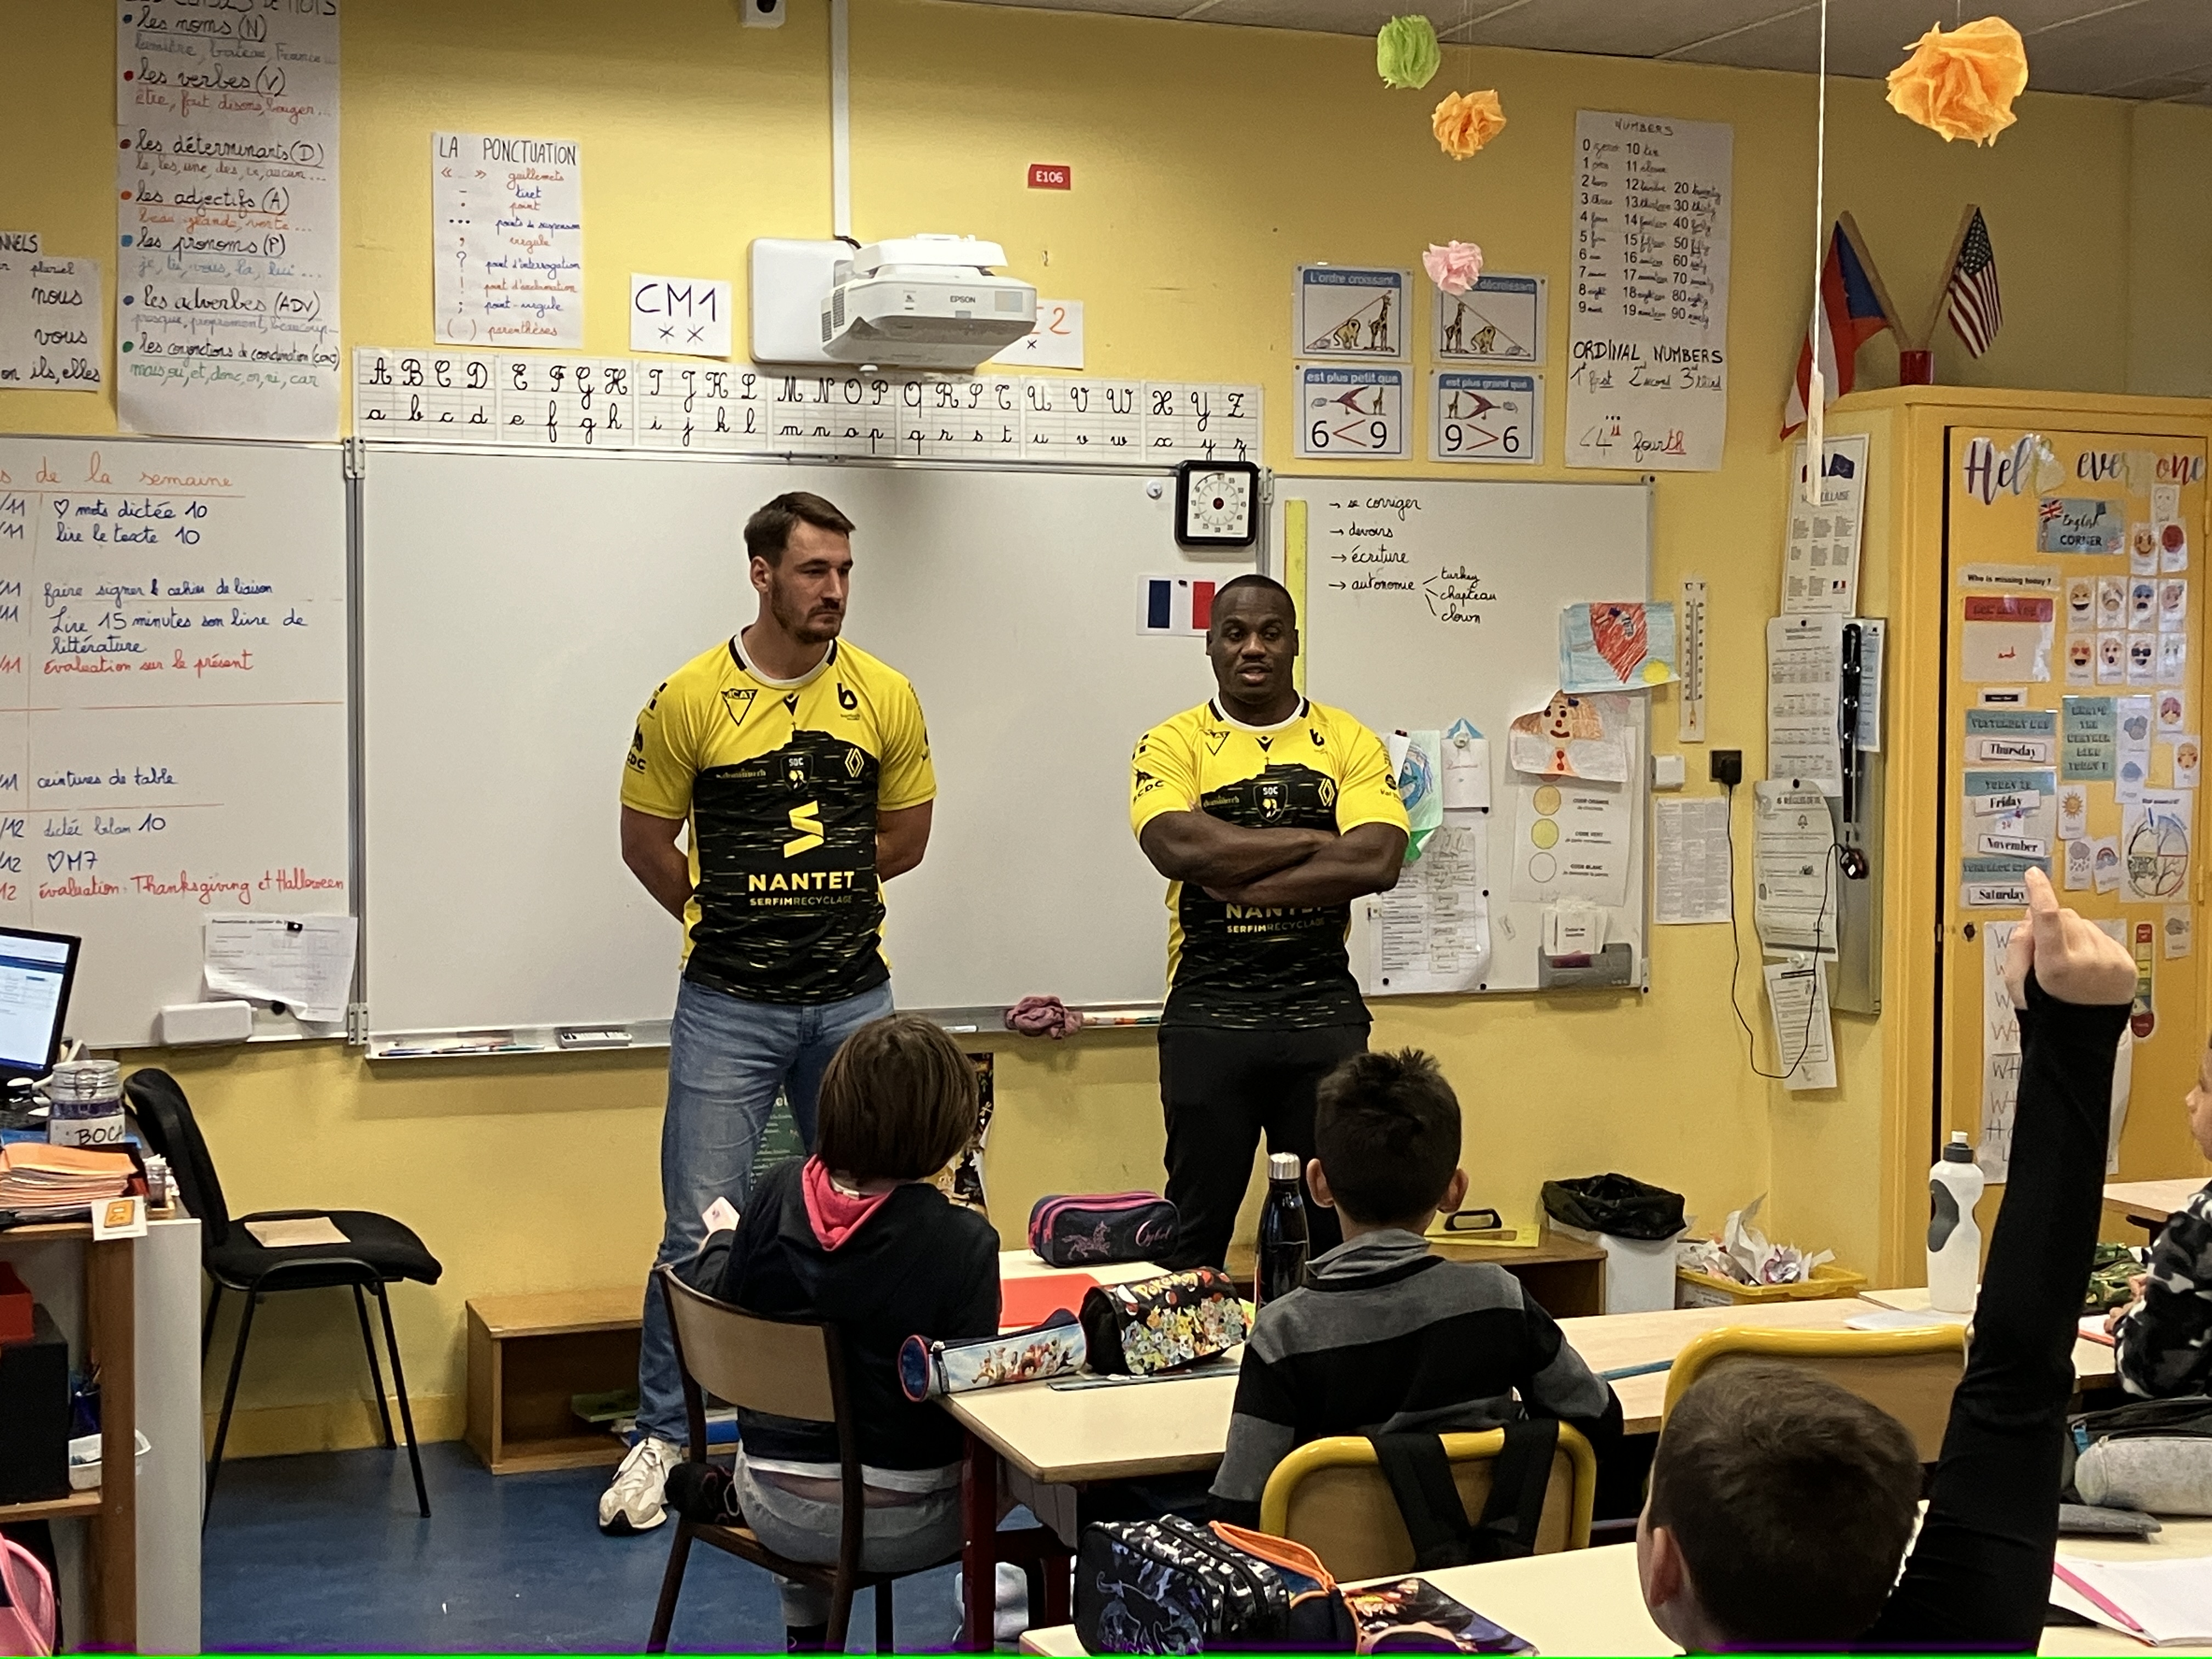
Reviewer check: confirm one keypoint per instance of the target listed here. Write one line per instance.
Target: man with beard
(1268, 814)
(802, 767)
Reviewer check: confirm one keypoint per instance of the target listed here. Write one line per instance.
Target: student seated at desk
(2165, 1339)
(1780, 1504)
(1385, 1337)
(857, 1236)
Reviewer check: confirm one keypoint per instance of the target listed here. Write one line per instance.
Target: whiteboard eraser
(206, 1022)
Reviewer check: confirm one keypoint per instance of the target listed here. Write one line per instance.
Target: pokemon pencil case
(928, 1369)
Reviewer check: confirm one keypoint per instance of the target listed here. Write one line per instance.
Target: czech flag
(1173, 605)
(1851, 313)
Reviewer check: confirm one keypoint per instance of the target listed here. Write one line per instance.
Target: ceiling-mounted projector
(908, 302)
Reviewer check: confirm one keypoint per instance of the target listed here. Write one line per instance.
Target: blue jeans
(727, 1057)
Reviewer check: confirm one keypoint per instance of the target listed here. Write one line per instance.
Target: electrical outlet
(1727, 767)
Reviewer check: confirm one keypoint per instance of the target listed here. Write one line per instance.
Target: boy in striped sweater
(1385, 1337)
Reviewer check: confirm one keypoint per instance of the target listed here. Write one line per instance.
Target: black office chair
(379, 1251)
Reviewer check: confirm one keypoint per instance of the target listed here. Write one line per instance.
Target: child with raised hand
(1780, 1504)
(2165, 1338)
(857, 1236)
(1385, 1337)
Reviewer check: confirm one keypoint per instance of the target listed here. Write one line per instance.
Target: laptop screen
(36, 970)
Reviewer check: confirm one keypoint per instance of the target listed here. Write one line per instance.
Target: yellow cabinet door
(2075, 585)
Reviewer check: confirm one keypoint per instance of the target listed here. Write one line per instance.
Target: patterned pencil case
(1070, 1229)
(928, 1369)
(1156, 1324)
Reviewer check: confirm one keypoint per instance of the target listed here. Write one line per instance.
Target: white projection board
(173, 736)
(518, 608)
(1429, 602)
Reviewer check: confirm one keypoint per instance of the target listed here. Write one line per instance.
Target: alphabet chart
(540, 400)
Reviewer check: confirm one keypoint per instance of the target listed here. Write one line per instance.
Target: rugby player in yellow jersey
(801, 766)
(1268, 814)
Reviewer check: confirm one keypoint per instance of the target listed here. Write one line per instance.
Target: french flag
(1174, 605)
(1851, 313)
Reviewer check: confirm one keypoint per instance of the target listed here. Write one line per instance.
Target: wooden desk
(1615, 1341)
(2096, 1365)
(1589, 1601)
(2149, 1203)
(1565, 1276)
(111, 1332)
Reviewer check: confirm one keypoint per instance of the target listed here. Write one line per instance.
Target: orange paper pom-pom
(1465, 122)
(1962, 84)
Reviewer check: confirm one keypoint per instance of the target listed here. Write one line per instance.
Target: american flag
(1970, 298)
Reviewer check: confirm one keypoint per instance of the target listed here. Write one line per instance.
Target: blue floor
(326, 1553)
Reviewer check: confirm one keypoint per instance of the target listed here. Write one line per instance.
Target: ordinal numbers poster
(1647, 385)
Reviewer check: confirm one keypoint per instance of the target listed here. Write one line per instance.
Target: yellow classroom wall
(1207, 160)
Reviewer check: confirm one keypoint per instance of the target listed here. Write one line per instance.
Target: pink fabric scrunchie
(1043, 1016)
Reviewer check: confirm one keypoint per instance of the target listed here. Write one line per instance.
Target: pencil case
(928, 1370)
(1156, 1324)
(1070, 1229)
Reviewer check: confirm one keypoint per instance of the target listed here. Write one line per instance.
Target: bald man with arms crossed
(801, 765)
(1268, 814)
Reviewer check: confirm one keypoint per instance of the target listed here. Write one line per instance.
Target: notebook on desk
(2161, 1603)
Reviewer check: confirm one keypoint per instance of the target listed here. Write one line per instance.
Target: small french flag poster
(1174, 605)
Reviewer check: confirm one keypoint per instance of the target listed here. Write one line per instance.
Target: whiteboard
(1466, 624)
(518, 608)
(173, 736)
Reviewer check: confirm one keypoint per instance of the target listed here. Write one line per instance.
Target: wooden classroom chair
(788, 1368)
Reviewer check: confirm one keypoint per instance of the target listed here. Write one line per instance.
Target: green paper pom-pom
(1407, 54)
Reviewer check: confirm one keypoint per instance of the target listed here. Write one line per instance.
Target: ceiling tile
(2144, 49)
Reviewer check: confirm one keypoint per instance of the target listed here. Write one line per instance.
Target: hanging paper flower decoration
(1962, 84)
(1407, 54)
(1465, 122)
(1454, 266)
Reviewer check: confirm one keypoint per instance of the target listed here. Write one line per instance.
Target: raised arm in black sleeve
(1980, 1575)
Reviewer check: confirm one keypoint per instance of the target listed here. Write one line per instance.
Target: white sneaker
(632, 1502)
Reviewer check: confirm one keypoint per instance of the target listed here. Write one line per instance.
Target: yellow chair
(1910, 1374)
(1331, 1496)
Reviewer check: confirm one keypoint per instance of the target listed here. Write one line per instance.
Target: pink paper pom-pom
(1454, 266)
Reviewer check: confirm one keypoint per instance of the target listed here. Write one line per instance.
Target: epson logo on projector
(962, 300)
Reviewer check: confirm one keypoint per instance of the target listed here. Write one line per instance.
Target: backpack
(27, 1622)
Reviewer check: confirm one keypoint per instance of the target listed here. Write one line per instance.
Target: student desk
(1590, 1602)
(2149, 1203)
(2096, 1364)
(1100, 1423)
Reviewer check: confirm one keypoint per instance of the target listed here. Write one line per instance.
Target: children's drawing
(1622, 645)
(1571, 736)
(1344, 310)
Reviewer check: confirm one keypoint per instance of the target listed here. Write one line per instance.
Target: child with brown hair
(857, 1236)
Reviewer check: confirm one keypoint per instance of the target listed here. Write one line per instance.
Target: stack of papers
(2155, 1601)
(35, 1178)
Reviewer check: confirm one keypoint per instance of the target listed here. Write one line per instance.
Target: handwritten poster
(227, 176)
(510, 239)
(1647, 385)
(52, 335)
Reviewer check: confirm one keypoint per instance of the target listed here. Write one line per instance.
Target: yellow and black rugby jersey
(782, 781)
(1238, 965)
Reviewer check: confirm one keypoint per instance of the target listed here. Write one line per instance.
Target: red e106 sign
(1049, 175)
